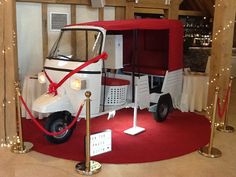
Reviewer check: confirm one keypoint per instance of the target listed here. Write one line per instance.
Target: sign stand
(135, 129)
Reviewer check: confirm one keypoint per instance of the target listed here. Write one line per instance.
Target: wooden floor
(34, 164)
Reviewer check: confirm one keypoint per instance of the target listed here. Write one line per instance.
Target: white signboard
(100, 142)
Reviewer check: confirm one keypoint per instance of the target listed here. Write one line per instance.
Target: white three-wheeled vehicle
(144, 56)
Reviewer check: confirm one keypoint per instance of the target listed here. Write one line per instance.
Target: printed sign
(100, 142)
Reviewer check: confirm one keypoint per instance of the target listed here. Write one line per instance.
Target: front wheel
(55, 123)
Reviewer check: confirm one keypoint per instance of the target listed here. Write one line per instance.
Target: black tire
(164, 106)
(56, 122)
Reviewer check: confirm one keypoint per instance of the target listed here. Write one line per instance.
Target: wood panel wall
(45, 29)
(120, 13)
(170, 11)
(123, 10)
(235, 33)
(2, 77)
(9, 70)
(222, 42)
(130, 6)
(173, 12)
(8, 50)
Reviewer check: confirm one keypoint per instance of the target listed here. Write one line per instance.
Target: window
(77, 45)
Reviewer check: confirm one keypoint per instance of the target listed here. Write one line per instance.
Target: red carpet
(180, 134)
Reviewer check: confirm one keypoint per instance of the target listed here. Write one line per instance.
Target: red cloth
(180, 134)
(114, 81)
(160, 41)
(149, 70)
(134, 24)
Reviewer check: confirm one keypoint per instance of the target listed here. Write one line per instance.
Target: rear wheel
(55, 123)
(163, 107)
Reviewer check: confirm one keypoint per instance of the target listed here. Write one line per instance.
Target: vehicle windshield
(77, 45)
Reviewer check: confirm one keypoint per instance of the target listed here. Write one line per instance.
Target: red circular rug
(180, 134)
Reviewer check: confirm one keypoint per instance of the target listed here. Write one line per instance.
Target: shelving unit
(198, 31)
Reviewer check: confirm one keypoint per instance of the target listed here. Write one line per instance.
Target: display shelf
(197, 30)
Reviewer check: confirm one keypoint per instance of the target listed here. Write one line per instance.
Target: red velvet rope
(42, 128)
(53, 86)
(221, 111)
(48, 78)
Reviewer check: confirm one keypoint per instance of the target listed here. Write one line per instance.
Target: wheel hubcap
(58, 126)
(163, 110)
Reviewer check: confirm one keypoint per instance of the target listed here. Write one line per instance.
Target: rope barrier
(224, 127)
(221, 111)
(54, 86)
(42, 128)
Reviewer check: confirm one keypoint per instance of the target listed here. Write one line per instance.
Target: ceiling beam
(149, 11)
(191, 13)
(209, 6)
(114, 3)
(213, 1)
(151, 4)
(202, 7)
(193, 5)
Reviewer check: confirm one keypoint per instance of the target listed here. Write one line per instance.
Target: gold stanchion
(89, 167)
(209, 150)
(225, 127)
(20, 147)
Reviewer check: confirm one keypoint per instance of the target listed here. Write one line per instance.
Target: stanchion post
(89, 167)
(210, 151)
(225, 127)
(20, 147)
(87, 160)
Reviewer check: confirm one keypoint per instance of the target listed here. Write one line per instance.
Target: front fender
(48, 103)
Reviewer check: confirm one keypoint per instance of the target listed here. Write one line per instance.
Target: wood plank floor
(34, 164)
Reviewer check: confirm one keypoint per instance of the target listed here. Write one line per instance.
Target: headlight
(77, 84)
(41, 78)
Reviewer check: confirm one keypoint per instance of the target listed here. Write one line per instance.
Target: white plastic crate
(115, 91)
(115, 95)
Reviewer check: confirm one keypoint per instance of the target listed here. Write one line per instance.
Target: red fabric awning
(160, 47)
(134, 24)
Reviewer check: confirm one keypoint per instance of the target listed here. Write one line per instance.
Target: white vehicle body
(70, 99)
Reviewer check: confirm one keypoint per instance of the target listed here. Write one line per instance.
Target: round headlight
(75, 84)
(41, 78)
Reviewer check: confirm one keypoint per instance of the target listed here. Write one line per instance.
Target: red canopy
(160, 42)
(150, 24)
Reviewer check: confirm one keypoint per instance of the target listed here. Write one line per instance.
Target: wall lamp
(167, 2)
(135, 1)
